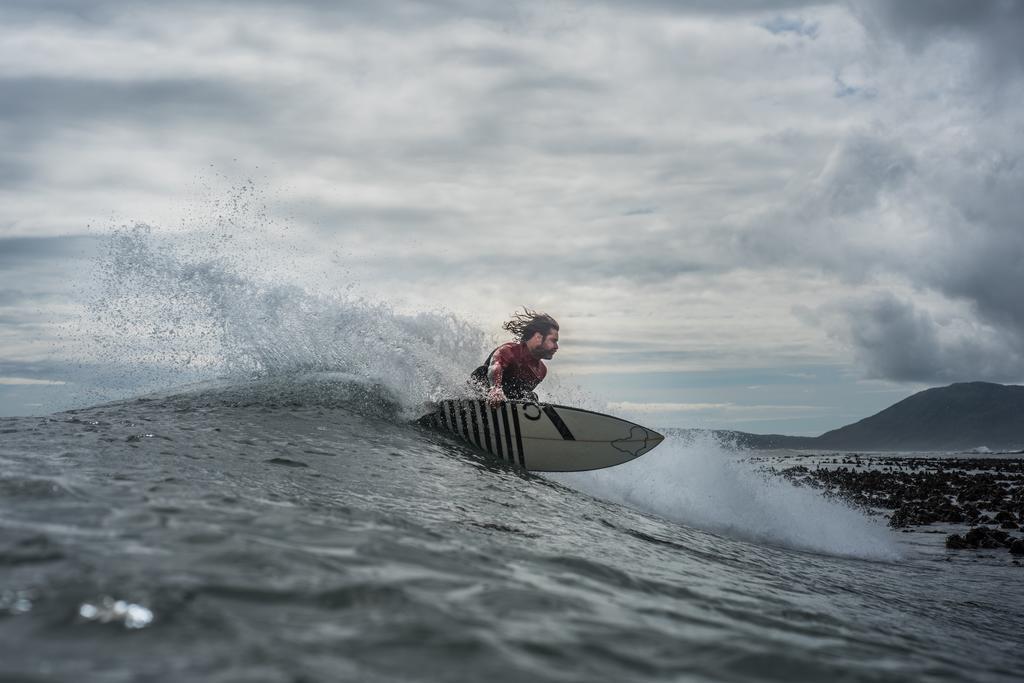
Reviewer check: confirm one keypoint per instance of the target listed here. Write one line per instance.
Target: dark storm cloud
(995, 27)
(988, 273)
(972, 257)
(896, 340)
(945, 222)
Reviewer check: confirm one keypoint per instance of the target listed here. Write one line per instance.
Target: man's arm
(495, 373)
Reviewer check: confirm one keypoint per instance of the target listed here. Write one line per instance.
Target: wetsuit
(517, 372)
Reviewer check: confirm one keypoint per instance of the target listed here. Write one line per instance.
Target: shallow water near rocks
(201, 537)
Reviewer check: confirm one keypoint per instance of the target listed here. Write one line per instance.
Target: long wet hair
(528, 323)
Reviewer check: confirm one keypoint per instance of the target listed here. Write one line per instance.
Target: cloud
(41, 371)
(641, 261)
(14, 297)
(921, 205)
(712, 7)
(857, 172)
(43, 103)
(931, 228)
(400, 12)
(833, 220)
(628, 406)
(25, 381)
(993, 27)
(899, 340)
(718, 408)
(684, 171)
(34, 251)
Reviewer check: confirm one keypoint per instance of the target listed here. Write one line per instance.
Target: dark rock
(903, 517)
(1017, 547)
(983, 537)
(999, 534)
(956, 542)
(975, 536)
(922, 491)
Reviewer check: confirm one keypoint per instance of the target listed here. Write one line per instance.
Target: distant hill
(958, 417)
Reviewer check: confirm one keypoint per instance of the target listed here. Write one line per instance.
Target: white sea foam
(702, 482)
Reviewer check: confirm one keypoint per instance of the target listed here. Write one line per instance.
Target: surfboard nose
(653, 438)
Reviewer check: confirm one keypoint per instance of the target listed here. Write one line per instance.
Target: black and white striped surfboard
(543, 437)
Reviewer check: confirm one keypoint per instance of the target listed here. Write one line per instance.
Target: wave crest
(170, 311)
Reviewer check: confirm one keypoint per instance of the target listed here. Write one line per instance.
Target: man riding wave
(513, 370)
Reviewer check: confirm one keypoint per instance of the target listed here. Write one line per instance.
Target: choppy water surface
(204, 537)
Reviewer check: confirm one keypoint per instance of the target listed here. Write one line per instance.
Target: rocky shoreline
(985, 494)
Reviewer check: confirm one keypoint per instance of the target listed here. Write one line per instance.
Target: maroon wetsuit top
(517, 371)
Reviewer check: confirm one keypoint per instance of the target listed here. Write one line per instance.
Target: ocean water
(282, 519)
(231, 536)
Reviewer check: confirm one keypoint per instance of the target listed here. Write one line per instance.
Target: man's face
(543, 346)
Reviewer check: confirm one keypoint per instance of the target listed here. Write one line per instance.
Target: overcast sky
(776, 217)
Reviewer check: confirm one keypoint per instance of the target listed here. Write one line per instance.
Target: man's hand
(495, 397)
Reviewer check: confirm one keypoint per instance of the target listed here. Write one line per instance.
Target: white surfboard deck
(543, 437)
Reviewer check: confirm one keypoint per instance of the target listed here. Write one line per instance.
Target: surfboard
(543, 437)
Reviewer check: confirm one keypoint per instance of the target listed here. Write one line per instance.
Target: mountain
(958, 417)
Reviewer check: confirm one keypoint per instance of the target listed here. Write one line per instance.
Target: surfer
(513, 370)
